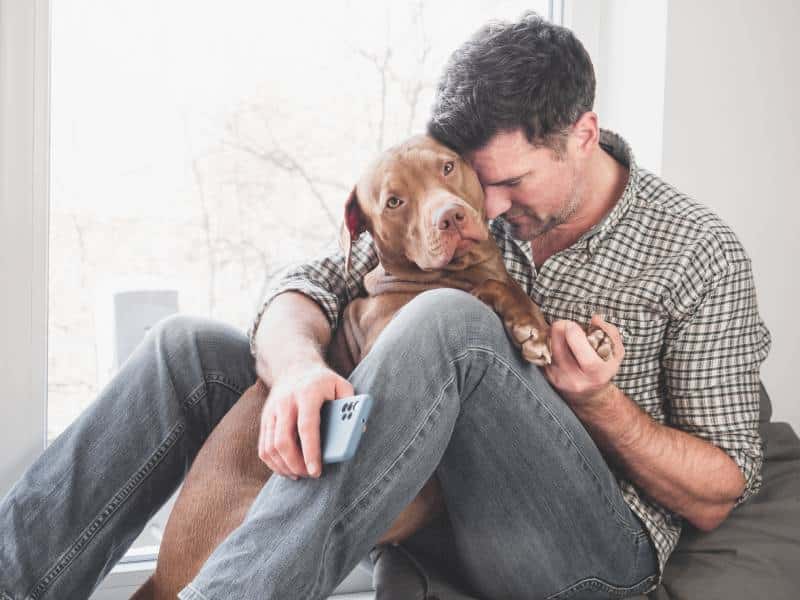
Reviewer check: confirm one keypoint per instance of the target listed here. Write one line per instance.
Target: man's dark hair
(530, 74)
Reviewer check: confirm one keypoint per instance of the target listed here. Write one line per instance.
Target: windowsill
(125, 578)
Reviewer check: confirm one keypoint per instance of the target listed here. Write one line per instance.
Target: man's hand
(292, 408)
(579, 375)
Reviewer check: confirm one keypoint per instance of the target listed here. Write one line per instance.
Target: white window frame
(25, 43)
(24, 218)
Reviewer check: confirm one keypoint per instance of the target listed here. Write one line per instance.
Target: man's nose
(497, 201)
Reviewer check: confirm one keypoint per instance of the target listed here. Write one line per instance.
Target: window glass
(199, 148)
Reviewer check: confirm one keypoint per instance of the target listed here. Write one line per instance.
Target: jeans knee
(180, 333)
(174, 330)
(443, 322)
(461, 316)
(201, 346)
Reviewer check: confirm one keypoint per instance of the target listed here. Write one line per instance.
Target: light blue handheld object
(342, 422)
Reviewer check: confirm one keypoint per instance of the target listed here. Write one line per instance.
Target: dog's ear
(353, 226)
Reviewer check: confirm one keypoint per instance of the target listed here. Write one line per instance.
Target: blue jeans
(533, 509)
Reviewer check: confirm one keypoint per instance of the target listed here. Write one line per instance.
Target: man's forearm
(682, 472)
(292, 330)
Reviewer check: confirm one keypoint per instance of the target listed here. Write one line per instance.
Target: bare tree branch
(282, 160)
(381, 65)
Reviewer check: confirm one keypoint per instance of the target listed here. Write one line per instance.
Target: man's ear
(587, 131)
(353, 226)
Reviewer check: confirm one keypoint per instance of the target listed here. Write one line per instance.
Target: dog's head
(423, 206)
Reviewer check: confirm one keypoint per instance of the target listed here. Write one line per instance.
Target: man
(571, 479)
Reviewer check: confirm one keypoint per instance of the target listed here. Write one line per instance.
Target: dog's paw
(533, 341)
(599, 341)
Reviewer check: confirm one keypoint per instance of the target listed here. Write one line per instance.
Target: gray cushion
(755, 553)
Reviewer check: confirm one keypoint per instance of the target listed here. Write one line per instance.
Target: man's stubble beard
(534, 228)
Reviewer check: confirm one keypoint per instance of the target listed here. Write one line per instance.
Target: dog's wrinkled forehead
(406, 168)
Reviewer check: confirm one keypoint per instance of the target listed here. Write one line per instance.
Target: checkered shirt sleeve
(712, 356)
(324, 281)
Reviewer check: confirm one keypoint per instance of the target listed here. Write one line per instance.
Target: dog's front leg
(222, 483)
(524, 322)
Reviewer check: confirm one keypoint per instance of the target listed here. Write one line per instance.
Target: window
(200, 148)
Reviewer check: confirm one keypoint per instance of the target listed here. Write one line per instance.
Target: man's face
(529, 186)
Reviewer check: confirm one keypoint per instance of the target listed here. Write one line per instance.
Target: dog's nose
(449, 216)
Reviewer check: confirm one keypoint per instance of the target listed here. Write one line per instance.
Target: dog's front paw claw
(537, 353)
(523, 333)
(533, 341)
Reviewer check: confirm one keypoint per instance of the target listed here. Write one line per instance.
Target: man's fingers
(585, 355)
(286, 445)
(343, 388)
(563, 358)
(308, 424)
(289, 442)
(265, 438)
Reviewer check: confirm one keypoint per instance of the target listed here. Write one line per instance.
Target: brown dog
(423, 206)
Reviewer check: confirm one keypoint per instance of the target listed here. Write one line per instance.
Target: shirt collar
(617, 147)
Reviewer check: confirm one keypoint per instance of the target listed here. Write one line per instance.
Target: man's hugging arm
(293, 331)
(323, 282)
(288, 339)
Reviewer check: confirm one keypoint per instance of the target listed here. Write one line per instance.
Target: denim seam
(354, 504)
(100, 520)
(200, 392)
(542, 404)
(598, 583)
(197, 394)
(636, 558)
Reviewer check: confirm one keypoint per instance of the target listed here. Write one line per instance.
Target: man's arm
(708, 459)
(323, 280)
(288, 339)
(293, 331)
(682, 472)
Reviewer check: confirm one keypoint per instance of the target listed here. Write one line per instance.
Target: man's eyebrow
(508, 180)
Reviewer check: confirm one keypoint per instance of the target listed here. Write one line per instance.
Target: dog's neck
(414, 280)
(379, 281)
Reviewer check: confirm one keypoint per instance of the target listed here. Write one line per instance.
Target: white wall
(626, 40)
(732, 141)
(707, 94)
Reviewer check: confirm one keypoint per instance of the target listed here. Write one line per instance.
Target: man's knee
(187, 335)
(197, 351)
(176, 330)
(448, 317)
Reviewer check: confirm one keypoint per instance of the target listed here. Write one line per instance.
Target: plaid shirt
(676, 282)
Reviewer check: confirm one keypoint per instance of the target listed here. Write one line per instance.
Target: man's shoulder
(682, 222)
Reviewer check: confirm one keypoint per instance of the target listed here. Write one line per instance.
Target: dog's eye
(448, 167)
(393, 202)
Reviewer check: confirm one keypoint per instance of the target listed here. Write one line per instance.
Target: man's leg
(535, 510)
(78, 508)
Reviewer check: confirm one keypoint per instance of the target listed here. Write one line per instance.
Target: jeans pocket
(596, 588)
